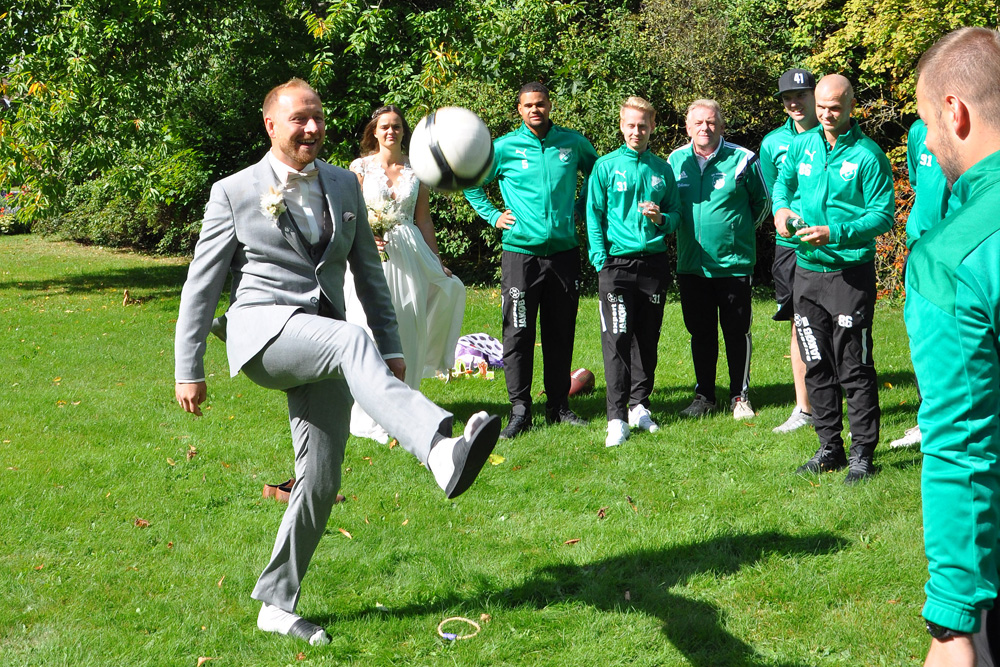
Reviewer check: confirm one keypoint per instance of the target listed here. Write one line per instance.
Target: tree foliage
(124, 111)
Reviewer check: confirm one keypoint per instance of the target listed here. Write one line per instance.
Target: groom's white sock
(441, 460)
(275, 619)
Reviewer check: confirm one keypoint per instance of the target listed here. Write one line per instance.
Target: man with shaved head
(953, 320)
(841, 183)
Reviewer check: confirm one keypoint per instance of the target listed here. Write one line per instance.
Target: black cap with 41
(795, 79)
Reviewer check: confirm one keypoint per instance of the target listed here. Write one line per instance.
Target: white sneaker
(617, 433)
(639, 417)
(797, 420)
(699, 407)
(742, 409)
(911, 437)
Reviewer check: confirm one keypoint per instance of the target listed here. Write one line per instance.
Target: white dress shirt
(303, 196)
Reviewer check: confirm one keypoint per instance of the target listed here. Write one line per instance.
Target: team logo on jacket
(718, 180)
(565, 154)
(523, 152)
(656, 183)
(848, 170)
(681, 179)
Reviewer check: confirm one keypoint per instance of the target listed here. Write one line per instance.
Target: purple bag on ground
(471, 348)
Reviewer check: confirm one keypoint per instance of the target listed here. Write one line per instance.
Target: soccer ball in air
(451, 149)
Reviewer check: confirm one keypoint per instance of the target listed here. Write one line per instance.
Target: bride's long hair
(369, 144)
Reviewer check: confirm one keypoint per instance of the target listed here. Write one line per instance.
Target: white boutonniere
(272, 203)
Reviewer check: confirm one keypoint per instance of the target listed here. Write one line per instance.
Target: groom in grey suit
(285, 228)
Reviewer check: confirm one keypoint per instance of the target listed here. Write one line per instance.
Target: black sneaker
(824, 460)
(858, 470)
(564, 416)
(516, 425)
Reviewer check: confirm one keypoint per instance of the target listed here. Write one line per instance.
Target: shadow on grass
(695, 627)
(159, 281)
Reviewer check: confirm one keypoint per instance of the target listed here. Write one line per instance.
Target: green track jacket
(952, 316)
(720, 210)
(772, 154)
(538, 184)
(931, 193)
(615, 225)
(848, 188)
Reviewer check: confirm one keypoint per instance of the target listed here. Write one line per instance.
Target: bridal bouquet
(382, 219)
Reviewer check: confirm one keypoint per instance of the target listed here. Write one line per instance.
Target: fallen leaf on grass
(191, 452)
(202, 660)
(367, 458)
(485, 618)
(601, 513)
(893, 601)
(496, 459)
(141, 523)
(572, 541)
(219, 584)
(887, 385)
(39, 567)
(300, 656)
(345, 533)
(406, 522)
(393, 443)
(516, 468)
(366, 519)
(170, 545)
(171, 461)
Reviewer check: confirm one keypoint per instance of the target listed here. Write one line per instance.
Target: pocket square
(349, 217)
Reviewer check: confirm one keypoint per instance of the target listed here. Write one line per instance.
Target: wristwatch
(942, 633)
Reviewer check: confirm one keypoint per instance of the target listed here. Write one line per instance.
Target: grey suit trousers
(320, 363)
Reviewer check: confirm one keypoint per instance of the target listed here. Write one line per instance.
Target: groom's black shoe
(471, 453)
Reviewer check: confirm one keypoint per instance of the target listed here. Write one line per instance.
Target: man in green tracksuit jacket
(796, 92)
(632, 204)
(723, 199)
(844, 184)
(952, 316)
(536, 166)
(930, 204)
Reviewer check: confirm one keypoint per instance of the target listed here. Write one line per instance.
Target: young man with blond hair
(632, 205)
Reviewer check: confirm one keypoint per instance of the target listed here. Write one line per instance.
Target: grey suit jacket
(273, 275)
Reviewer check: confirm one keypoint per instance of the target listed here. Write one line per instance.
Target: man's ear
(955, 116)
(269, 126)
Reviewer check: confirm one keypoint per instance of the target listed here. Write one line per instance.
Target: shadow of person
(696, 628)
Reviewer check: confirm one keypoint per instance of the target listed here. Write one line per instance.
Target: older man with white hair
(723, 200)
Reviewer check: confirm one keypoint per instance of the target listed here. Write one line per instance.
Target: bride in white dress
(429, 301)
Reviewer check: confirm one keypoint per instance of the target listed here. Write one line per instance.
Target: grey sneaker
(699, 407)
(859, 469)
(824, 461)
(911, 436)
(639, 418)
(741, 408)
(797, 420)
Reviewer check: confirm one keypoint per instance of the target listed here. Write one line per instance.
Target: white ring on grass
(453, 637)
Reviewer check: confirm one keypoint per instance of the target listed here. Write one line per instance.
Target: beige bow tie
(306, 176)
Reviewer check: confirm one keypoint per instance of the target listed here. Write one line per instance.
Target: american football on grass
(581, 381)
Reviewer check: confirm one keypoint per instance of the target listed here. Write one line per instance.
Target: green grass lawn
(710, 552)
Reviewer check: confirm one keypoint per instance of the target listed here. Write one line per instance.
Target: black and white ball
(451, 149)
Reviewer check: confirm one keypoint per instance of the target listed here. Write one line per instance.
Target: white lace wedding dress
(429, 305)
